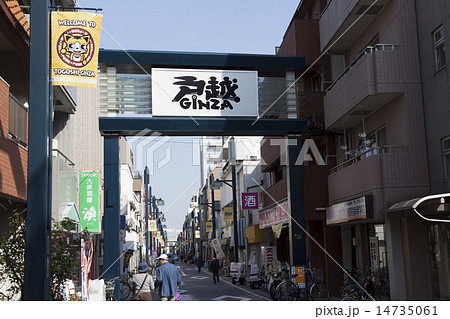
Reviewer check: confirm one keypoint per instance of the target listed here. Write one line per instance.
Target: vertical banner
(269, 255)
(152, 225)
(228, 214)
(90, 201)
(74, 48)
(218, 249)
(84, 274)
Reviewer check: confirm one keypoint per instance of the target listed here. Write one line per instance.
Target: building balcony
(339, 15)
(275, 193)
(388, 173)
(371, 81)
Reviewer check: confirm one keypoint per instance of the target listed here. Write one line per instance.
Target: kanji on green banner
(90, 201)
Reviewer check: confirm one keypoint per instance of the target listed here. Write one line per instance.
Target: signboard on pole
(209, 226)
(211, 93)
(249, 200)
(152, 225)
(228, 214)
(90, 201)
(74, 48)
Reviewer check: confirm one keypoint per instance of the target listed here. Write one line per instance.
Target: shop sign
(90, 201)
(197, 234)
(269, 254)
(278, 214)
(249, 200)
(74, 48)
(210, 93)
(209, 226)
(300, 279)
(356, 209)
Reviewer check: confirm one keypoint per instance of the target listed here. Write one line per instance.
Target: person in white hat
(167, 279)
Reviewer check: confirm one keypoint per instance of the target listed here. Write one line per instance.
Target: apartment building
(14, 72)
(433, 29)
(304, 99)
(374, 105)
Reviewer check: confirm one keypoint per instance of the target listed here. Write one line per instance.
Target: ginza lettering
(214, 96)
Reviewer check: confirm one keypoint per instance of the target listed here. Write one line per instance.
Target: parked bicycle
(125, 289)
(373, 286)
(315, 290)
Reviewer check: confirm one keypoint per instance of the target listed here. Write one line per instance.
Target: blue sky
(233, 26)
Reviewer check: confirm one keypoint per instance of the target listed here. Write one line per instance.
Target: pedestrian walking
(143, 283)
(215, 267)
(199, 264)
(167, 279)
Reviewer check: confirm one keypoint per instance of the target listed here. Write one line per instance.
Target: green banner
(90, 201)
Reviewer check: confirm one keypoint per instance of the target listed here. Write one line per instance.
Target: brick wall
(13, 158)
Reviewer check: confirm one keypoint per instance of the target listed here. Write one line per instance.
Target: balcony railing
(18, 119)
(358, 156)
(367, 50)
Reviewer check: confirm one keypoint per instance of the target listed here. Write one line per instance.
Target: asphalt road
(199, 286)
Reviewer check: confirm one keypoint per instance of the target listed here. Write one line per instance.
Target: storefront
(417, 237)
(276, 219)
(363, 239)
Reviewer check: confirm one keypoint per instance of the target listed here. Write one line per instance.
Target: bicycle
(125, 289)
(317, 290)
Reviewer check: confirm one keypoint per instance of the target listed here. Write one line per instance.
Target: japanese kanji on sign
(212, 93)
(90, 201)
(249, 200)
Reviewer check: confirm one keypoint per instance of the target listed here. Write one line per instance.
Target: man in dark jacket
(215, 267)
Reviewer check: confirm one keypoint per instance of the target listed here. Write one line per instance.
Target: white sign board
(204, 93)
(360, 208)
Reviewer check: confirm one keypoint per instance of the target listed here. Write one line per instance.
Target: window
(446, 152)
(18, 116)
(378, 138)
(439, 48)
(317, 83)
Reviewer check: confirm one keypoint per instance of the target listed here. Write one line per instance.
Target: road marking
(231, 298)
(199, 277)
(182, 272)
(187, 297)
(246, 291)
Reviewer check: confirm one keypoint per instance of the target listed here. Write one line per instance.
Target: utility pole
(232, 147)
(146, 185)
(200, 255)
(211, 182)
(37, 253)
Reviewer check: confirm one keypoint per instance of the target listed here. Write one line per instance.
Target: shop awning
(432, 205)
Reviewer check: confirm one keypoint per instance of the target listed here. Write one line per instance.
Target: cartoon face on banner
(75, 47)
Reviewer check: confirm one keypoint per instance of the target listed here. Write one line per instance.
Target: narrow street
(199, 286)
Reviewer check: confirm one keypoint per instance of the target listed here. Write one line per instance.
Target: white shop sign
(359, 208)
(204, 93)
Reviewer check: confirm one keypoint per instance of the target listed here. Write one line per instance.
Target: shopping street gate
(198, 94)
